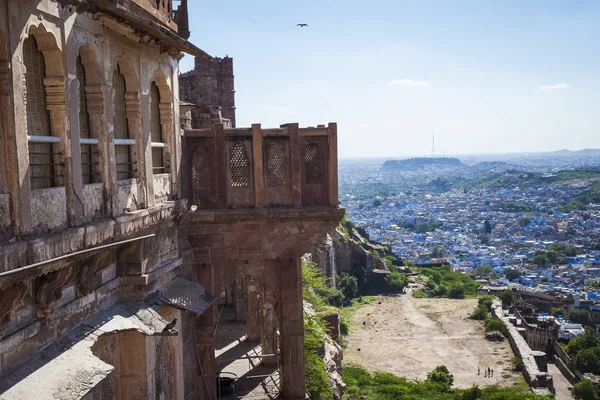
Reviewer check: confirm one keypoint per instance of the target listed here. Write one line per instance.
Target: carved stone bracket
(48, 290)
(10, 299)
(89, 267)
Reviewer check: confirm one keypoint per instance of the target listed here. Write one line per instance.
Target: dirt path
(410, 337)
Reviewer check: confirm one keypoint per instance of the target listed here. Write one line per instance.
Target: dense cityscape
(537, 215)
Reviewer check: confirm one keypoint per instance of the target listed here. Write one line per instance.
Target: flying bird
(170, 325)
(302, 25)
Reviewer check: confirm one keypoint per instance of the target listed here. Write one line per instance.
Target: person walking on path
(478, 371)
(492, 372)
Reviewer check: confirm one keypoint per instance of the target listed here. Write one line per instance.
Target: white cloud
(552, 88)
(408, 83)
(279, 109)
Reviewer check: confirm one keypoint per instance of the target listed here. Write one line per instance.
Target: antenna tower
(432, 144)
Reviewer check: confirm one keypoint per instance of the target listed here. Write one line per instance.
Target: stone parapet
(536, 378)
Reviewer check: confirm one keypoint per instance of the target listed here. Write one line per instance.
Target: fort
(131, 203)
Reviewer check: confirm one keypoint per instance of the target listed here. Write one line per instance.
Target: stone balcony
(259, 200)
(243, 168)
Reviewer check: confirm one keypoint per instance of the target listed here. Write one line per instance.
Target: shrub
(317, 380)
(585, 390)
(441, 375)
(396, 282)
(344, 326)
(456, 291)
(479, 314)
(493, 324)
(517, 364)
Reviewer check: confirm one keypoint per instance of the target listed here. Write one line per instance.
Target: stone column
(268, 326)
(292, 330)
(168, 135)
(252, 308)
(205, 345)
(204, 332)
(95, 104)
(134, 121)
(240, 300)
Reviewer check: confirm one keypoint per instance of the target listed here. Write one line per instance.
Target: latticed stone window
(44, 157)
(163, 370)
(239, 165)
(88, 148)
(201, 169)
(277, 162)
(314, 164)
(123, 141)
(105, 390)
(156, 137)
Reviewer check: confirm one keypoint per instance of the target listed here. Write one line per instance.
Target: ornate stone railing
(256, 168)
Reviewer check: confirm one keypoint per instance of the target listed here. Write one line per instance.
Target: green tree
(376, 203)
(552, 256)
(540, 259)
(556, 311)
(588, 360)
(441, 375)
(487, 227)
(484, 271)
(580, 316)
(585, 390)
(437, 252)
(597, 247)
(396, 282)
(484, 239)
(525, 221)
(511, 274)
(347, 287)
(507, 298)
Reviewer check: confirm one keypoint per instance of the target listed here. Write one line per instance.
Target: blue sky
(485, 76)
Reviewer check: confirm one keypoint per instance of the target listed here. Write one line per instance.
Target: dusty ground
(410, 337)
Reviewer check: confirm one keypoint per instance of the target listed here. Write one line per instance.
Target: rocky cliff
(344, 249)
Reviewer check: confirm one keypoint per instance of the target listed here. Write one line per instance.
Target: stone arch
(163, 86)
(132, 84)
(89, 59)
(58, 160)
(48, 45)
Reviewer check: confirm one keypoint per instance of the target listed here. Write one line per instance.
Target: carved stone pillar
(138, 151)
(8, 146)
(95, 104)
(168, 135)
(292, 330)
(252, 308)
(205, 345)
(240, 300)
(268, 326)
(55, 104)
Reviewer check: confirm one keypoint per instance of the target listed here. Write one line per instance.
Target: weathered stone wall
(210, 85)
(534, 376)
(103, 44)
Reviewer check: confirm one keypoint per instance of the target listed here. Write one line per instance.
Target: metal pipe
(104, 246)
(43, 139)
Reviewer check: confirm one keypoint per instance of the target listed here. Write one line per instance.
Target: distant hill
(516, 178)
(420, 162)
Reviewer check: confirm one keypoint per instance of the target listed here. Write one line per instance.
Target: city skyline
(488, 77)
